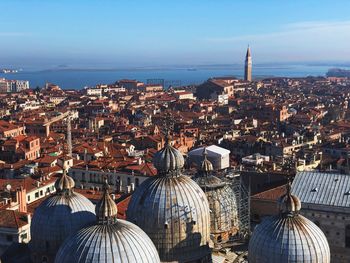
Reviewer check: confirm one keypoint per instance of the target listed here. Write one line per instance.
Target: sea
(169, 76)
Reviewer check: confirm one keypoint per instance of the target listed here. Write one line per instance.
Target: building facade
(326, 202)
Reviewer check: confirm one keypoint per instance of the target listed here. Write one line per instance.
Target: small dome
(288, 237)
(56, 218)
(288, 203)
(206, 165)
(106, 209)
(222, 201)
(108, 240)
(65, 183)
(168, 160)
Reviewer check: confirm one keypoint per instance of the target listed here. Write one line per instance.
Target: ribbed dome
(121, 242)
(221, 198)
(55, 219)
(288, 237)
(108, 240)
(168, 160)
(174, 212)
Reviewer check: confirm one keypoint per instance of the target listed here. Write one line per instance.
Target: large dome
(222, 201)
(173, 210)
(108, 240)
(56, 218)
(288, 237)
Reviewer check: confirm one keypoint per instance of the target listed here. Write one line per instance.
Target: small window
(37, 195)
(347, 236)
(24, 236)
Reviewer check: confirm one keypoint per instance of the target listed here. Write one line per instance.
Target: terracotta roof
(122, 207)
(12, 219)
(272, 194)
(145, 168)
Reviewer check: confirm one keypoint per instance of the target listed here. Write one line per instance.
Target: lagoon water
(79, 78)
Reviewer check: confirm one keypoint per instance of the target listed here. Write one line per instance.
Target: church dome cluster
(173, 210)
(222, 201)
(288, 237)
(171, 218)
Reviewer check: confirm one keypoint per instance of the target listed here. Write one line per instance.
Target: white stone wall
(94, 179)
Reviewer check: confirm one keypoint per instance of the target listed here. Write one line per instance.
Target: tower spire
(69, 136)
(248, 66)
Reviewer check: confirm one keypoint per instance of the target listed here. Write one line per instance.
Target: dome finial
(106, 209)
(206, 165)
(167, 137)
(65, 184)
(289, 205)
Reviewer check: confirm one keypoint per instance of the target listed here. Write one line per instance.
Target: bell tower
(248, 66)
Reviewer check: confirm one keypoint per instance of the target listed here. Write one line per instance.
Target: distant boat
(191, 69)
(6, 71)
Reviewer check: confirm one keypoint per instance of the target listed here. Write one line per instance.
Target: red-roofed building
(20, 148)
(9, 130)
(14, 228)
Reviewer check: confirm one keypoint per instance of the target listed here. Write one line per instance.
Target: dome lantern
(289, 205)
(106, 209)
(65, 184)
(168, 161)
(206, 165)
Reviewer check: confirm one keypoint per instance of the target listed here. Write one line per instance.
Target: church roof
(329, 189)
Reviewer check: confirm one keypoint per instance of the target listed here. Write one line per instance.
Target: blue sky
(103, 33)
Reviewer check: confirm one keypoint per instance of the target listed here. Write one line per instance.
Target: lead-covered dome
(173, 211)
(222, 201)
(108, 240)
(57, 217)
(288, 237)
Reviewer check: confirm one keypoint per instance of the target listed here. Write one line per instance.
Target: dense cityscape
(195, 170)
(174, 131)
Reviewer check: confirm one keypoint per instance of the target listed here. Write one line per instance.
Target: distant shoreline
(80, 77)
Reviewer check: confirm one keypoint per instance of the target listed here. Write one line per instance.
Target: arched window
(219, 239)
(347, 236)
